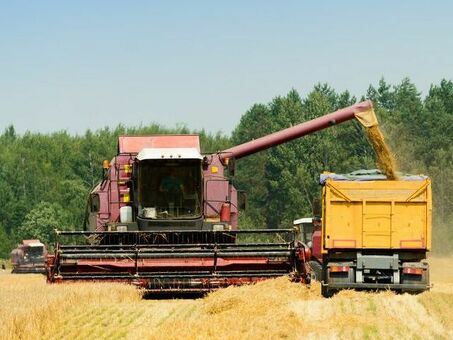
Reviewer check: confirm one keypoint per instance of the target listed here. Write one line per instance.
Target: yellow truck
(374, 234)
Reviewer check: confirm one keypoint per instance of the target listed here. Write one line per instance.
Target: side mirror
(205, 163)
(242, 200)
(105, 168)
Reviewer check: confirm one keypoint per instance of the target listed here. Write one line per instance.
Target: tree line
(45, 178)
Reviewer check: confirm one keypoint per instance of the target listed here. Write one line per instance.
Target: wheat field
(32, 309)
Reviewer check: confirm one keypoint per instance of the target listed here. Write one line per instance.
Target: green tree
(250, 172)
(6, 245)
(281, 182)
(41, 221)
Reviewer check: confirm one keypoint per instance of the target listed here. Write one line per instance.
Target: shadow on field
(173, 296)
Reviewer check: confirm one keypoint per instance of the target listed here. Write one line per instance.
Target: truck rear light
(339, 269)
(413, 271)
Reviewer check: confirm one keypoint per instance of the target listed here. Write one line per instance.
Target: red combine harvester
(165, 218)
(29, 257)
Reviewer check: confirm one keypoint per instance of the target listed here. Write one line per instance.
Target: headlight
(218, 227)
(121, 228)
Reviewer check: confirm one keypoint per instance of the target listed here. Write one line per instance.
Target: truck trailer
(374, 233)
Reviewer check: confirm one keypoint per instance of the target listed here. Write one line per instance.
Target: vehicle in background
(29, 257)
(305, 229)
(309, 231)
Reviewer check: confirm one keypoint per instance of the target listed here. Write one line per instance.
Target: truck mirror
(242, 199)
(316, 206)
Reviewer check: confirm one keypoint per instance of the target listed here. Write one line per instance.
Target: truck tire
(316, 270)
(335, 278)
(325, 291)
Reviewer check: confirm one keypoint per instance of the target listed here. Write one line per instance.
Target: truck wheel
(316, 270)
(325, 291)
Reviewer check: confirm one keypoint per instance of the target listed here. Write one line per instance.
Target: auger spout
(362, 111)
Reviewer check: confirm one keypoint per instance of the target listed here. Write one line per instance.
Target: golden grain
(31, 309)
(385, 159)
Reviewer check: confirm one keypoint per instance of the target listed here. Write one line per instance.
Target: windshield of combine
(34, 253)
(169, 189)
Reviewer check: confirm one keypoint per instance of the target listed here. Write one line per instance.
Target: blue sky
(89, 64)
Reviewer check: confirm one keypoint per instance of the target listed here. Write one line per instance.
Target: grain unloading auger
(165, 218)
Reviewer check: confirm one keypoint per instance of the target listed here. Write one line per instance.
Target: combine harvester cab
(375, 233)
(165, 218)
(29, 257)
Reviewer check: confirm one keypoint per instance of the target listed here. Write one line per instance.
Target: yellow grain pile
(273, 309)
(278, 309)
(262, 311)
